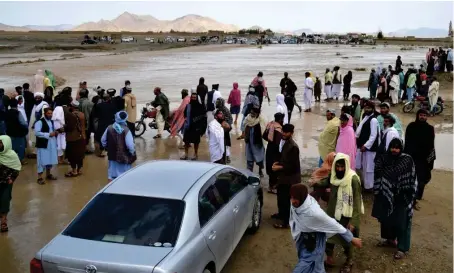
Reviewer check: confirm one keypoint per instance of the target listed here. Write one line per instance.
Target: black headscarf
(395, 182)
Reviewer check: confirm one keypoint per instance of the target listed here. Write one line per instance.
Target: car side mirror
(253, 181)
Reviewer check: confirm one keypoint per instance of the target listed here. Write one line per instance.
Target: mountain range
(189, 23)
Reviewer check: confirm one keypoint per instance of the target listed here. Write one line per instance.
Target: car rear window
(131, 220)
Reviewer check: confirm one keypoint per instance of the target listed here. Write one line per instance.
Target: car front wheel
(256, 217)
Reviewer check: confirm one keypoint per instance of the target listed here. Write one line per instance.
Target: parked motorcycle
(150, 112)
(423, 103)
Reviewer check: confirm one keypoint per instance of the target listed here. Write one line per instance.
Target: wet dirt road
(40, 212)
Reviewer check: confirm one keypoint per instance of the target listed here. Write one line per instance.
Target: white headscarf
(309, 217)
(282, 107)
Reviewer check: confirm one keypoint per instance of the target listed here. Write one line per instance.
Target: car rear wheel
(256, 217)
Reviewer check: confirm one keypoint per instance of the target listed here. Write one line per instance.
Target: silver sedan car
(160, 217)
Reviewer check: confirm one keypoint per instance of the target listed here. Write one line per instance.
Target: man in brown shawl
(75, 138)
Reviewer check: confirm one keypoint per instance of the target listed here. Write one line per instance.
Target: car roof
(164, 178)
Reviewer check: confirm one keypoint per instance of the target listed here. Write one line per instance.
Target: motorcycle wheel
(438, 109)
(140, 128)
(408, 107)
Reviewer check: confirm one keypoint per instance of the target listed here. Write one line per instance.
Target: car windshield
(131, 220)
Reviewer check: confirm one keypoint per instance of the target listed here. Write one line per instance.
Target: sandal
(195, 158)
(387, 243)
(280, 226)
(51, 177)
(184, 158)
(40, 181)
(79, 172)
(4, 227)
(399, 255)
(157, 136)
(347, 267)
(71, 174)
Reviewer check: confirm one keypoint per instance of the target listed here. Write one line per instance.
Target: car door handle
(212, 235)
(236, 209)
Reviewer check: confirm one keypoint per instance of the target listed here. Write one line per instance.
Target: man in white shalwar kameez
(215, 134)
(46, 146)
(367, 139)
(308, 91)
(38, 82)
(389, 133)
(58, 118)
(328, 85)
(433, 93)
(37, 113)
(282, 107)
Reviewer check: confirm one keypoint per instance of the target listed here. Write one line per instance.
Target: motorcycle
(423, 103)
(150, 112)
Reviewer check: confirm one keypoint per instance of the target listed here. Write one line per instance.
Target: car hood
(67, 254)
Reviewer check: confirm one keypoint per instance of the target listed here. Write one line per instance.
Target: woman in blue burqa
(310, 227)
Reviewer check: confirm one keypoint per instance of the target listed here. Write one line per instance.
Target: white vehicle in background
(169, 40)
(149, 39)
(214, 40)
(274, 42)
(195, 39)
(229, 42)
(127, 39)
(181, 40)
(253, 42)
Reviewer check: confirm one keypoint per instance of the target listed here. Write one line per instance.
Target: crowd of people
(361, 152)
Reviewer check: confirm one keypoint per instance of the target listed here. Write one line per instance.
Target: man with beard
(161, 103)
(103, 115)
(288, 169)
(273, 135)
(29, 100)
(127, 86)
(46, 145)
(255, 150)
(86, 107)
(227, 118)
(420, 145)
(367, 138)
(345, 205)
(216, 134)
(388, 133)
(202, 90)
(194, 126)
(384, 110)
(75, 138)
(36, 114)
(394, 191)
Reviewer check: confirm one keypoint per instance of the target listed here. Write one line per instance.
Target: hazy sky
(318, 16)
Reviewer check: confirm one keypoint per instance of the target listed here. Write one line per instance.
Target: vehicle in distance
(88, 42)
(181, 39)
(149, 39)
(160, 217)
(127, 39)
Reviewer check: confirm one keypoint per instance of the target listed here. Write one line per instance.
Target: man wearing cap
(367, 139)
(75, 138)
(384, 110)
(387, 134)
(103, 116)
(36, 114)
(328, 138)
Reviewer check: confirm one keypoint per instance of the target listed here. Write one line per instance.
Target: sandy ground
(40, 212)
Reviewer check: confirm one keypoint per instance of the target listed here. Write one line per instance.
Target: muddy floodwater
(40, 212)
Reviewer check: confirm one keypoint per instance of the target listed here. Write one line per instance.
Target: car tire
(256, 217)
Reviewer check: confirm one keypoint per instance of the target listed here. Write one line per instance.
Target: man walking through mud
(288, 89)
(161, 103)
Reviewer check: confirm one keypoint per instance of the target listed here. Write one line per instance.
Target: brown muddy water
(40, 212)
